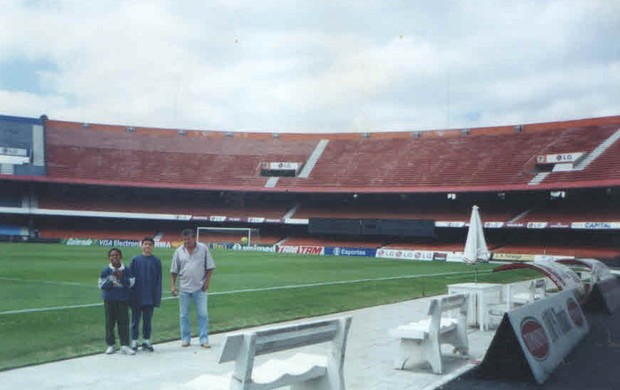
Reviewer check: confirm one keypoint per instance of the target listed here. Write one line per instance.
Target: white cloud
(314, 66)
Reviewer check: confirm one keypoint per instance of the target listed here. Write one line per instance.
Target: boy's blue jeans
(146, 314)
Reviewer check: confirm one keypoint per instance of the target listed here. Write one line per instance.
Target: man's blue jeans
(200, 303)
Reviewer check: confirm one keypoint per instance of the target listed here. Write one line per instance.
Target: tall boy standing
(146, 295)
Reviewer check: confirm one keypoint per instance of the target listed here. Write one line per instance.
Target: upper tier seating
(466, 161)
(481, 160)
(145, 158)
(605, 168)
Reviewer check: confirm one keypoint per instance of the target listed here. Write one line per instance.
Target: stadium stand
(581, 206)
(422, 206)
(560, 250)
(323, 241)
(9, 230)
(10, 196)
(161, 201)
(448, 162)
(112, 234)
(95, 177)
(440, 161)
(454, 247)
(111, 154)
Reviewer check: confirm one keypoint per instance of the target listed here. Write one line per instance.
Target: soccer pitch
(51, 307)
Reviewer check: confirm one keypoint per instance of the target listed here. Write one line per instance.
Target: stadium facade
(543, 189)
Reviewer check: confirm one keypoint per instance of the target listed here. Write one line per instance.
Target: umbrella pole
(475, 273)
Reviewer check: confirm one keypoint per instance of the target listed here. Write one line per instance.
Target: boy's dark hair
(150, 239)
(188, 233)
(115, 249)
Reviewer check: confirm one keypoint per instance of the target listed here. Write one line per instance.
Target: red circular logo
(575, 312)
(535, 338)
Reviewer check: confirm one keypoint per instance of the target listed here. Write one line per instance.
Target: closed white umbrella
(476, 250)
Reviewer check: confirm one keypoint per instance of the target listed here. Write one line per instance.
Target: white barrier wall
(543, 333)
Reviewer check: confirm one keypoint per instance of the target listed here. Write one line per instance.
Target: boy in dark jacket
(115, 281)
(146, 295)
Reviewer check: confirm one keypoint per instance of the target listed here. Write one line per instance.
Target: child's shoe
(125, 350)
(146, 346)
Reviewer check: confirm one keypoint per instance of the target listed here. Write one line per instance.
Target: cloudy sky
(312, 65)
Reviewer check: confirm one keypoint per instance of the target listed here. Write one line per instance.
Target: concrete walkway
(368, 362)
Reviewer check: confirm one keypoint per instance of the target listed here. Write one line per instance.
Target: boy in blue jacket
(115, 281)
(146, 295)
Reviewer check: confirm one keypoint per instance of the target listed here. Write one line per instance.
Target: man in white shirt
(192, 264)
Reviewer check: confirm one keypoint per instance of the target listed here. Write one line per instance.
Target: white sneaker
(125, 350)
(134, 345)
(110, 350)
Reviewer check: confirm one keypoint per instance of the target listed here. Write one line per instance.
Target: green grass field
(51, 306)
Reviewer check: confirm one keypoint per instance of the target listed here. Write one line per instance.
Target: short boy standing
(146, 294)
(115, 281)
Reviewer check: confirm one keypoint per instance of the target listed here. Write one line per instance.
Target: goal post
(243, 236)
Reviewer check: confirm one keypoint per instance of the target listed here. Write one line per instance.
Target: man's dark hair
(149, 239)
(188, 233)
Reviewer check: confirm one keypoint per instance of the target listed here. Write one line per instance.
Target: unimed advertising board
(547, 331)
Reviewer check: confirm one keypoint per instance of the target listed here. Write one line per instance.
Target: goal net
(219, 235)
